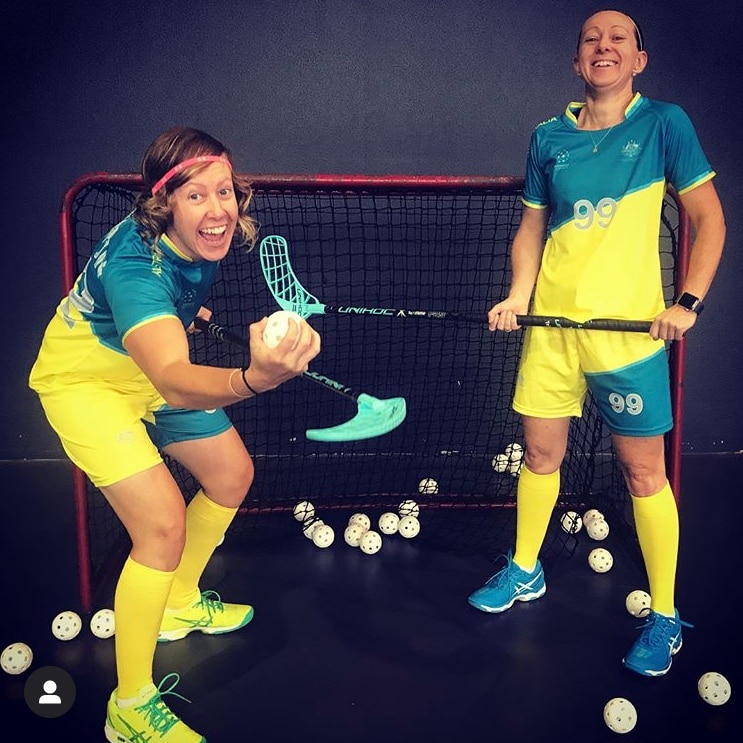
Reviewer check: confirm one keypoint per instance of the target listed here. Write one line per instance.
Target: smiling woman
(595, 180)
(205, 212)
(117, 384)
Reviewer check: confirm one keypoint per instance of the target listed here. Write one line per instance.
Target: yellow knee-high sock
(535, 501)
(206, 523)
(139, 602)
(657, 524)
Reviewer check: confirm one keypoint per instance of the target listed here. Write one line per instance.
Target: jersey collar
(171, 246)
(574, 107)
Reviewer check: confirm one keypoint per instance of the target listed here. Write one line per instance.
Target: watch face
(690, 302)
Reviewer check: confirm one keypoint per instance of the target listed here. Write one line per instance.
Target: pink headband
(186, 163)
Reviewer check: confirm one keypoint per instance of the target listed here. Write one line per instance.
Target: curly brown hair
(153, 211)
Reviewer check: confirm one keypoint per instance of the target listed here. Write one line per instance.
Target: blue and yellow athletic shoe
(208, 614)
(508, 585)
(653, 651)
(148, 718)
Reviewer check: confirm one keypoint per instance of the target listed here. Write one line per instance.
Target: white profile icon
(50, 697)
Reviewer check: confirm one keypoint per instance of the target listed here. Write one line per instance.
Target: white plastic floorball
(309, 526)
(714, 688)
(637, 603)
(500, 462)
(371, 542)
(428, 486)
(514, 451)
(323, 536)
(592, 513)
(66, 625)
(600, 560)
(360, 518)
(409, 527)
(353, 533)
(304, 510)
(102, 623)
(388, 523)
(597, 529)
(571, 522)
(409, 508)
(620, 715)
(278, 326)
(16, 658)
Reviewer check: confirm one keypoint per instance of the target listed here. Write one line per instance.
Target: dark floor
(351, 647)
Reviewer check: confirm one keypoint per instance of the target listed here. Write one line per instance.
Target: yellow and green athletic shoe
(148, 718)
(208, 614)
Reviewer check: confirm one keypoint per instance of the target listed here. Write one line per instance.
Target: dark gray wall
(344, 86)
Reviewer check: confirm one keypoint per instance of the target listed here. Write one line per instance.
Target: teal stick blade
(289, 294)
(374, 418)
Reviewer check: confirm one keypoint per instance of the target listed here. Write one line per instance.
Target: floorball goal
(434, 243)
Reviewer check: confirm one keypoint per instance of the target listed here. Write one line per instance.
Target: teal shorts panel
(171, 425)
(635, 400)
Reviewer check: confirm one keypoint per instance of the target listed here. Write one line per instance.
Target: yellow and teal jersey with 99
(604, 190)
(126, 283)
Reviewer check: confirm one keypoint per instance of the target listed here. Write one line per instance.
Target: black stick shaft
(329, 309)
(221, 333)
(545, 321)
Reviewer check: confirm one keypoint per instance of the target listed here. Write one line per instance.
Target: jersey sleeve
(536, 186)
(137, 292)
(686, 163)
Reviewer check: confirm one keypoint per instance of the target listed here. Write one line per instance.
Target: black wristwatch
(690, 302)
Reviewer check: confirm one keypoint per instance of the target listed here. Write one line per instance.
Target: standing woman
(595, 182)
(116, 383)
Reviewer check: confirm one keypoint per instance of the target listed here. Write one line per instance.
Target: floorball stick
(292, 296)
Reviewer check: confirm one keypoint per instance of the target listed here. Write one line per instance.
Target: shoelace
(505, 573)
(157, 713)
(657, 628)
(211, 601)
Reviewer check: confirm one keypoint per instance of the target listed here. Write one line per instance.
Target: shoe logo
(521, 587)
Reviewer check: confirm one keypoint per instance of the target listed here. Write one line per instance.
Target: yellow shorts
(112, 434)
(111, 420)
(627, 374)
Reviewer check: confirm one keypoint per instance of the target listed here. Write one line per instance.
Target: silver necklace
(595, 143)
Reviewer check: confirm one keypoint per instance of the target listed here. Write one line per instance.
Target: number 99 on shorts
(631, 403)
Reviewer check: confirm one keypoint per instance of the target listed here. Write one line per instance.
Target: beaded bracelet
(247, 384)
(232, 388)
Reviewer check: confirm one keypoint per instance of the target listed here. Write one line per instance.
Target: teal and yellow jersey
(126, 283)
(604, 190)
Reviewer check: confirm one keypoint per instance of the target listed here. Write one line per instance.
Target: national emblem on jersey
(631, 150)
